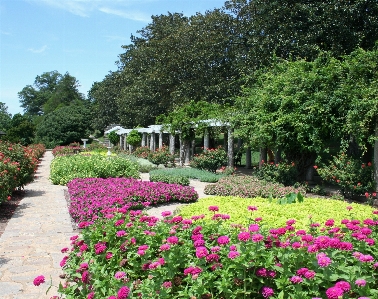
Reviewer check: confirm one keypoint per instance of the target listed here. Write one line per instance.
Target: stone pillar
(230, 147)
(120, 141)
(152, 142)
(187, 151)
(160, 139)
(144, 139)
(171, 144)
(206, 139)
(124, 143)
(181, 151)
(193, 146)
(248, 158)
(240, 142)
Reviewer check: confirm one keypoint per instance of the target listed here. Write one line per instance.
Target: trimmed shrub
(248, 187)
(162, 156)
(210, 160)
(282, 173)
(66, 168)
(65, 150)
(170, 178)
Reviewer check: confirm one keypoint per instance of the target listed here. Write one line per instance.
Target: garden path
(32, 240)
(40, 227)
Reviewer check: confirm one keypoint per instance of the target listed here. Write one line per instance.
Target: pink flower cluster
(91, 197)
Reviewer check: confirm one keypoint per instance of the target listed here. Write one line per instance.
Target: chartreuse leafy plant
(66, 168)
(128, 254)
(274, 214)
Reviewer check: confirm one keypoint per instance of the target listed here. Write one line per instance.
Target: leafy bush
(190, 173)
(17, 166)
(142, 152)
(96, 147)
(131, 255)
(65, 150)
(66, 168)
(94, 197)
(133, 138)
(210, 160)
(282, 173)
(113, 137)
(160, 175)
(247, 186)
(351, 175)
(162, 156)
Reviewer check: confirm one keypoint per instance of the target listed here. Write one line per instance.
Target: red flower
(316, 167)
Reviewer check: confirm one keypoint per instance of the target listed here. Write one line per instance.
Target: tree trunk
(263, 156)
(248, 158)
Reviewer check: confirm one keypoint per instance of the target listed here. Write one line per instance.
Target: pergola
(149, 139)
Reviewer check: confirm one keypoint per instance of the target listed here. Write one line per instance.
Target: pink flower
(165, 247)
(302, 271)
(166, 213)
(310, 274)
(344, 285)
(254, 228)
(167, 284)
(172, 240)
(360, 282)
(252, 208)
(296, 279)
(334, 293)
(266, 292)
(324, 261)
(223, 240)
(212, 257)
(120, 233)
(91, 295)
(123, 292)
(215, 249)
(39, 280)
(85, 277)
(233, 254)
(214, 208)
(120, 275)
(64, 250)
(201, 252)
(244, 236)
(349, 208)
(257, 238)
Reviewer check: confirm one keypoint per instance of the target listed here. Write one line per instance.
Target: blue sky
(81, 37)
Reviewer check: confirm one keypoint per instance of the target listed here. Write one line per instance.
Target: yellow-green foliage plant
(274, 215)
(66, 168)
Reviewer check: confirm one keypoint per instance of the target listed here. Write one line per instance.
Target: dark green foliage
(133, 138)
(162, 156)
(283, 173)
(113, 137)
(65, 125)
(210, 160)
(168, 177)
(22, 130)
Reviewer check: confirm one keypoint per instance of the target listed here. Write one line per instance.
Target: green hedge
(189, 173)
(66, 168)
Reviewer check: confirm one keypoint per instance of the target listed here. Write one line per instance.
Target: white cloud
(38, 51)
(83, 8)
(135, 16)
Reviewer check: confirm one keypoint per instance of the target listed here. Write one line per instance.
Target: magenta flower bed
(91, 198)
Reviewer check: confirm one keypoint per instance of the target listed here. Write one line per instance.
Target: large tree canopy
(5, 117)
(65, 125)
(50, 91)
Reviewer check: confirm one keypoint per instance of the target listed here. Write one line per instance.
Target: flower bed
(93, 197)
(131, 255)
(17, 166)
(190, 173)
(249, 187)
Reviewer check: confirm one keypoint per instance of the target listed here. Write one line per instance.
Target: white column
(171, 144)
(160, 139)
(206, 140)
(144, 138)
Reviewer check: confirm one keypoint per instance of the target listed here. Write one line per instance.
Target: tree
(50, 91)
(21, 130)
(65, 125)
(103, 96)
(300, 29)
(5, 117)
